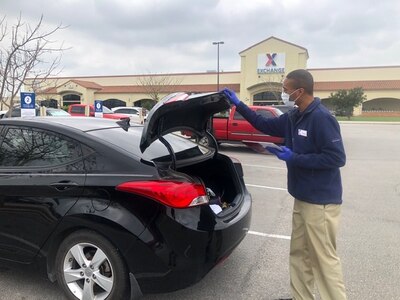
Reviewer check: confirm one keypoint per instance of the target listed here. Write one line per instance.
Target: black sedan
(115, 210)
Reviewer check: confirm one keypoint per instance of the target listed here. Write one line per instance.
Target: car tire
(89, 267)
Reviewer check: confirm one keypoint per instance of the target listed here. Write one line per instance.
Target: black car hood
(181, 111)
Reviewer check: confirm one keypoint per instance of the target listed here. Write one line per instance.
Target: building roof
(82, 83)
(195, 88)
(275, 38)
(140, 75)
(87, 84)
(353, 68)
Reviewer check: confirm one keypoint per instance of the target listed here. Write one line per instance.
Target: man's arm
(271, 126)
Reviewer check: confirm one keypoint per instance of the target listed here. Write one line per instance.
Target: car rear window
(279, 112)
(130, 141)
(126, 111)
(106, 110)
(57, 112)
(78, 109)
(265, 113)
(238, 116)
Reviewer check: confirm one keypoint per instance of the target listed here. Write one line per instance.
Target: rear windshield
(130, 140)
(127, 111)
(106, 110)
(78, 109)
(57, 113)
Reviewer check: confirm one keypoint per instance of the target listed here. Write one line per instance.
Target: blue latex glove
(284, 154)
(231, 96)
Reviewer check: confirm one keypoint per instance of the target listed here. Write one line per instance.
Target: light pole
(218, 43)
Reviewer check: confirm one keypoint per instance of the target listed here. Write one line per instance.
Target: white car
(2, 113)
(133, 112)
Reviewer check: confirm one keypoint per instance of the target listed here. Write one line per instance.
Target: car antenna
(124, 123)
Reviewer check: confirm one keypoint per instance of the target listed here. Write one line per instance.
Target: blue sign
(28, 100)
(28, 108)
(98, 108)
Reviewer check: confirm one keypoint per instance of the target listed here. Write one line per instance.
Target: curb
(369, 122)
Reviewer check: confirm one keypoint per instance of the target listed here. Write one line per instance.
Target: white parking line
(265, 167)
(276, 236)
(266, 187)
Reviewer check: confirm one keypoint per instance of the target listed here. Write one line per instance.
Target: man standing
(313, 153)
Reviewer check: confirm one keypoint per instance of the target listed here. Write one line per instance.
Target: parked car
(78, 110)
(230, 126)
(137, 114)
(115, 210)
(56, 112)
(16, 112)
(283, 108)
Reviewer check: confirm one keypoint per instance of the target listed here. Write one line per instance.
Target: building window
(71, 99)
(267, 98)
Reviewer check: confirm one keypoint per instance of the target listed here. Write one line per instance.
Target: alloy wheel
(88, 272)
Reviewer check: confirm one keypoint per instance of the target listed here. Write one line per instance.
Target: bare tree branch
(155, 84)
(26, 51)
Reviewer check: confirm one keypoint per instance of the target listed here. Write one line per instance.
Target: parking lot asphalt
(368, 241)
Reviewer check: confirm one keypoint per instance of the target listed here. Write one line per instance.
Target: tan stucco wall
(370, 95)
(356, 74)
(295, 58)
(88, 95)
(183, 78)
(359, 74)
(128, 98)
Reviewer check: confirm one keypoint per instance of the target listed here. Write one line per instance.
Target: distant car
(116, 210)
(283, 108)
(2, 113)
(134, 112)
(78, 110)
(57, 112)
(16, 112)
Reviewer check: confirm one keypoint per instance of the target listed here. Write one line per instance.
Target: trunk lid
(179, 112)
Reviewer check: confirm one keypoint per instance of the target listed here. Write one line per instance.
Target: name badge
(302, 132)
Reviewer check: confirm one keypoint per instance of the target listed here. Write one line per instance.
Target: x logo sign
(271, 60)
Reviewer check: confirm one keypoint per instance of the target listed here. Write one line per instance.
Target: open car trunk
(222, 179)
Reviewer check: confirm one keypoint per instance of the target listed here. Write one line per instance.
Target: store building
(259, 82)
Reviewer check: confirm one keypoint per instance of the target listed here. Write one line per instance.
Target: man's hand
(231, 96)
(284, 154)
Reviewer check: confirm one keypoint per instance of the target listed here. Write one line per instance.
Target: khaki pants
(313, 256)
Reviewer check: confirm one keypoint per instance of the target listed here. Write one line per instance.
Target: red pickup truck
(230, 126)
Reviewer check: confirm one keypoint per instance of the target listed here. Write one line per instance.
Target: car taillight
(171, 193)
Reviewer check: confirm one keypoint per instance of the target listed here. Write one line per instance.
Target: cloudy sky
(124, 37)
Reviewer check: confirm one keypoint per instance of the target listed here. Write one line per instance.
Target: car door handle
(234, 124)
(64, 185)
